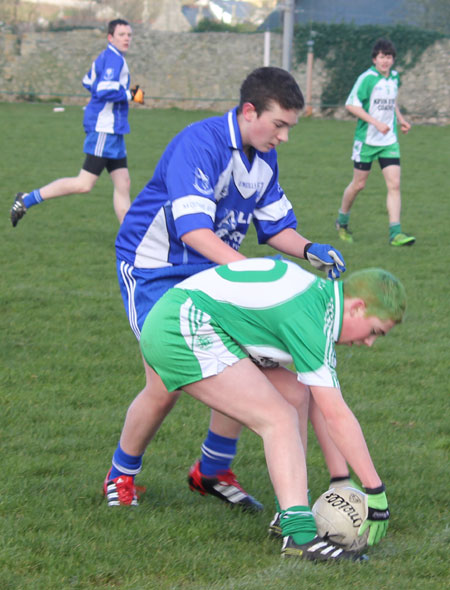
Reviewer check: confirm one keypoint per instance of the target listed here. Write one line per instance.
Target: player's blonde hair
(383, 294)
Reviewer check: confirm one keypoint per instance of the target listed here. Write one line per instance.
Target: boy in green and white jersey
(209, 334)
(373, 100)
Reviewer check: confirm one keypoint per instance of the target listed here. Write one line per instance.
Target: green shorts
(183, 344)
(362, 152)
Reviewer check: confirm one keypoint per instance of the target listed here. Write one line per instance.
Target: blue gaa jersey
(108, 81)
(204, 180)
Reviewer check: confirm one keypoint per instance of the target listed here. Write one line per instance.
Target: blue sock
(217, 453)
(124, 464)
(33, 198)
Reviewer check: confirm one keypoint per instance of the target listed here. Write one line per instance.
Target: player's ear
(249, 111)
(357, 307)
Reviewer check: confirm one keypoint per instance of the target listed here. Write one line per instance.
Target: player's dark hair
(113, 24)
(270, 84)
(384, 46)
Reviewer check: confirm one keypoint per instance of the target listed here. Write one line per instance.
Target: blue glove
(325, 258)
(378, 517)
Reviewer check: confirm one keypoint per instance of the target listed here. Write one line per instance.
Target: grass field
(71, 365)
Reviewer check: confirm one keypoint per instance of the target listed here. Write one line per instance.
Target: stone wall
(192, 71)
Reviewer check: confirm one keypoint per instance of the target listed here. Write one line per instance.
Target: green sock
(277, 504)
(343, 218)
(394, 229)
(298, 523)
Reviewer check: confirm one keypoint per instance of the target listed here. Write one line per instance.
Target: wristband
(306, 248)
(380, 489)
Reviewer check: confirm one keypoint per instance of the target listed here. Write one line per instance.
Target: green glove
(378, 515)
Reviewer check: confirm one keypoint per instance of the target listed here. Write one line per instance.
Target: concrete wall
(192, 71)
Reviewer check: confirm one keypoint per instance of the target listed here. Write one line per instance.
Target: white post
(288, 33)
(266, 48)
(309, 70)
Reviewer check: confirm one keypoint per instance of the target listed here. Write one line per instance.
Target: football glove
(137, 95)
(325, 258)
(378, 515)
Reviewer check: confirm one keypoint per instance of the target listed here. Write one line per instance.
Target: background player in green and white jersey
(208, 334)
(373, 100)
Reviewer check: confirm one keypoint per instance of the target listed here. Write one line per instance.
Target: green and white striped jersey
(377, 95)
(277, 312)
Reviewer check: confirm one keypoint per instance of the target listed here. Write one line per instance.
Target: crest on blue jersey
(109, 74)
(202, 183)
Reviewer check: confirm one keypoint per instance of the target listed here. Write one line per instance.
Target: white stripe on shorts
(126, 271)
(210, 351)
(100, 145)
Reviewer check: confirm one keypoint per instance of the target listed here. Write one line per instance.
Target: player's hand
(378, 517)
(405, 126)
(382, 127)
(137, 94)
(325, 258)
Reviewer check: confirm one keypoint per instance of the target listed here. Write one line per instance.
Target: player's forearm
(210, 246)
(345, 431)
(361, 114)
(289, 242)
(349, 439)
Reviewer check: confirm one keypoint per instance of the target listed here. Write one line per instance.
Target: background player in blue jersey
(105, 123)
(214, 179)
(373, 100)
(200, 336)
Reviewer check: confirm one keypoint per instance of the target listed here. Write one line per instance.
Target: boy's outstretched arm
(322, 256)
(345, 431)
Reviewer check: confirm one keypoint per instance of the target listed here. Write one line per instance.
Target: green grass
(71, 365)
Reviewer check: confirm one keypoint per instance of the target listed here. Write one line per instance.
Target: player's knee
(284, 417)
(159, 398)
(359, 185)
(84, 185)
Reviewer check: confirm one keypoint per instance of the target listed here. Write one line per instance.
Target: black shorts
(96, 165)
(383, 162)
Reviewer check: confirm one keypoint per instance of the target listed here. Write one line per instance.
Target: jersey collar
(375, 71)
(111, 46)
(232, 130)
(338, 309)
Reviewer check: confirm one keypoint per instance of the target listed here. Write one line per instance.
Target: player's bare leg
(356, 185)
(397, 237)
(146, 414)
(121, 196)
(294, 392)
(392, 176)
(262, 409)
(81, 184)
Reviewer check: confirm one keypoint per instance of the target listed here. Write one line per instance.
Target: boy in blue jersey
(214, 179)
(105, 123)
(208, 333)
(373, 100)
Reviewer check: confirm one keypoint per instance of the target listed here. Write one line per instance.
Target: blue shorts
(105, 145)
(142, 287)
